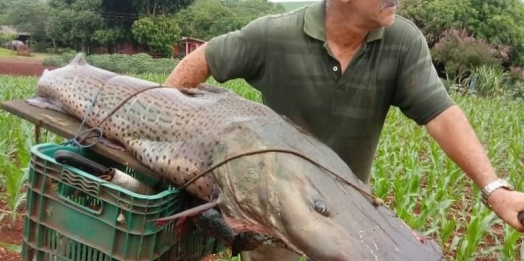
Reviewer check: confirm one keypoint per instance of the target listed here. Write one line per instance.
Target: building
(186, 46)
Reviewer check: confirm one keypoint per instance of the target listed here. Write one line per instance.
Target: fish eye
(320, 207)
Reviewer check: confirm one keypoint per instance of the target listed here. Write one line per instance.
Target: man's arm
(456, 137)
(190, 71)
(237, 54)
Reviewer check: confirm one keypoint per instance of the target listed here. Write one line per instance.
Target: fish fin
(212, 88)
(79, 59)
(203, 89)
(44, 103)
(191, 92)
(187, 213)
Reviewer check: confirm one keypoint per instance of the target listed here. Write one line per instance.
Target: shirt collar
(314, 23)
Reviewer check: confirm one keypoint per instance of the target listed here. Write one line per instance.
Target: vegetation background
(477, 47)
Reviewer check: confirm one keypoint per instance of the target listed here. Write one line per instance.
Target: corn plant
(11, 247)
(419, 182)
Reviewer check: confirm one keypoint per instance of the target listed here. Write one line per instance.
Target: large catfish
(272, 180)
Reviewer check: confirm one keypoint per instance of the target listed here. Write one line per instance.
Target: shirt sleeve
(238, 54)
(420, 94)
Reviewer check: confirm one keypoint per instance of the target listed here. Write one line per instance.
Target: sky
(292, 0)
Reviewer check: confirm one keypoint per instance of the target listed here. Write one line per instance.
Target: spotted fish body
(172, 132)
(179, 133)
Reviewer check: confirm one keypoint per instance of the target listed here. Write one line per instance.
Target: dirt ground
(23, 67)
(11, 235)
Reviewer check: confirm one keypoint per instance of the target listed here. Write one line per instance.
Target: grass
(6, 53)
(427, 190)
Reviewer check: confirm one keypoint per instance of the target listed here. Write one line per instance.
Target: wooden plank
(67, 126)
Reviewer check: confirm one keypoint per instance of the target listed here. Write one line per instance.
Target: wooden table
(67, 126)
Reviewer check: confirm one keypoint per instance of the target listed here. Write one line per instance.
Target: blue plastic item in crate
(75, 216)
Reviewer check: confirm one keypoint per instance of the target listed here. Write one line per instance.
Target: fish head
(286, 197)
(301, 200)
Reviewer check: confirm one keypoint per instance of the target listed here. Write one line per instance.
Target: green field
(426, 190)
(6, 53)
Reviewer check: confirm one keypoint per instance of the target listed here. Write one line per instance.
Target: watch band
(492, 186)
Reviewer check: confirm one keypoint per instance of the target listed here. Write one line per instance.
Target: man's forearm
(453, 132)
(190, 71)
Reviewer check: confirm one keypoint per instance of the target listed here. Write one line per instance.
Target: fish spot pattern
(172, 131)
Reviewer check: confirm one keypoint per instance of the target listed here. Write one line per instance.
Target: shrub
(158, 32)
(40, 46)
(4, 37)
(516, 81)
(516, 73)
(489, 80)
(461, 54)
(119, 63)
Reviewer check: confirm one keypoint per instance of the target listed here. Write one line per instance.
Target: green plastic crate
(74, 216)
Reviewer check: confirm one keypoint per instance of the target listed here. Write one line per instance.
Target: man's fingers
(509, 206)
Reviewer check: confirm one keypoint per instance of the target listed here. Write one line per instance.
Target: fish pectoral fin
(45, 103)
(211, 88)
(187, 213)
(202, 90)
(191, 92)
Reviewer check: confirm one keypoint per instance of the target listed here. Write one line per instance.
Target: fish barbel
(295, 189)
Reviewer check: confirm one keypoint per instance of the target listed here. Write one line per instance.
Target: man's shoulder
(282, 22)
(288, 15)
(402, 31)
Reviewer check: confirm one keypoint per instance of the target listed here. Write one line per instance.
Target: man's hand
(455, 136)
(507, 205)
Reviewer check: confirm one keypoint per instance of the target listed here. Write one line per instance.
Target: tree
(27, 16)
(160, 7)
(207, 18)
(462, 54)
(74, 22)
(499, 22)
(159, 32)
(59, 26)
(6, 37)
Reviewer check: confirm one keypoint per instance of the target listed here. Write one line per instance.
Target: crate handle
(79, 202)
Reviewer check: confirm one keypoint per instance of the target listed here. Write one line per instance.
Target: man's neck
(342, 29)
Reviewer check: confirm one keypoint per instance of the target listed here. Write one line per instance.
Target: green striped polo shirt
(286, 58)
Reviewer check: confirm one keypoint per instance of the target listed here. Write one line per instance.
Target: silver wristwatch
(492, 186)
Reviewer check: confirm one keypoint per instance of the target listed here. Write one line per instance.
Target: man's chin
(388, 20)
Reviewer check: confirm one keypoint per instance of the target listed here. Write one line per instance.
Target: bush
(60, 50)
(461, 54)
(516, 73)
(516, 81)
(40, 46)
(119, 63)
(490, 81)
(4, 37)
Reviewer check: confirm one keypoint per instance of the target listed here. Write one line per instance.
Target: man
(335, 68)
